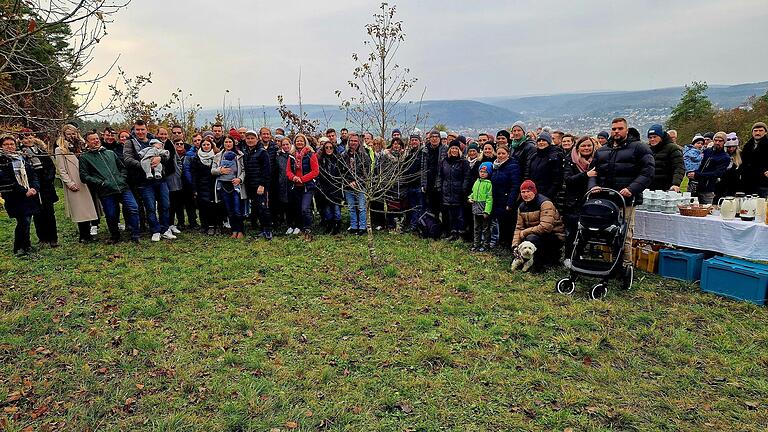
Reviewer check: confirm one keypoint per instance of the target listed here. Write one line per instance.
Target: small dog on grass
(523, 256)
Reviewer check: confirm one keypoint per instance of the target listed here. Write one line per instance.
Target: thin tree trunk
(371, 246)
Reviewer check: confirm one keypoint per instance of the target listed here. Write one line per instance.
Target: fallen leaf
(568, 430)
(357, 409)
(130, 405)
(37, 412)
(11, 410)
(405, 407)
(587, 361)
(101, 370)
(291, 425)
(751, 405)
(140, 386)
(309, 413)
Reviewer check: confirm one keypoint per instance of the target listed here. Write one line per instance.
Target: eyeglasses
(731, 139)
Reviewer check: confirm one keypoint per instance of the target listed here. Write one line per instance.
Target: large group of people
(494, 192)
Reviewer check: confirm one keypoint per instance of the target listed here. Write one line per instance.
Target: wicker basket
(694, 210)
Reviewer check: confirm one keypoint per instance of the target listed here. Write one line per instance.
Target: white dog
(523, 256)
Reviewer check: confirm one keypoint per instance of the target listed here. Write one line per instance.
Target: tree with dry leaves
(45, 50)
(379, 85)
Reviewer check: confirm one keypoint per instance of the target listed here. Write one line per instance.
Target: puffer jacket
(691, 158)
(506, 181)
(257, 164)
(628, 165)
(453, 180)
(524, 153)
(669, 167)
(546, 170)
(755, 157)
(282, 184)
(712, 167)
(575, 186)
(103, 172)
(329, 181)
(202, 180)
(538, 217)
(431, 159)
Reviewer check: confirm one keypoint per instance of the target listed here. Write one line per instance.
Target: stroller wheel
(599, 290)
(566, 286)
(629, 275)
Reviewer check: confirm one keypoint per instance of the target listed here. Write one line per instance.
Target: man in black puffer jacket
(668, 160)
(624, 164)
(546, 166)
(258, 178)
(755, 157)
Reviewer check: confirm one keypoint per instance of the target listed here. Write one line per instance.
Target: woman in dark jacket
(202, 183)
(19, 186)
(669, 167)
(282, 207)
(731, 181)
(329, 186)
(42, 162)
(546, 166)
(453, 183)
(506, 181)
(576, 174)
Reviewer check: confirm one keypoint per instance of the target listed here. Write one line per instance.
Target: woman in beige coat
(77, 197)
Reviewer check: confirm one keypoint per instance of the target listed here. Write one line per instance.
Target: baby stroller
(598, 249)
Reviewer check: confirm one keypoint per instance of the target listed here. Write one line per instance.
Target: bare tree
(379, 83)
(45, 50)
(296, 122)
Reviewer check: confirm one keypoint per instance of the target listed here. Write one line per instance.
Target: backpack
(429, 226)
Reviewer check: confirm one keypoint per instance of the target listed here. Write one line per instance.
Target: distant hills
(553, 106)
(578, 112)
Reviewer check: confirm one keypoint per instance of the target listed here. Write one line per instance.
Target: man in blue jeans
(411, 179)
(154, 192)
(106, 175)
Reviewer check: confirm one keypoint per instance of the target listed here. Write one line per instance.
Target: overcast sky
(458, 49)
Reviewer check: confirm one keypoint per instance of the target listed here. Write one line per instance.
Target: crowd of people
(494, 191)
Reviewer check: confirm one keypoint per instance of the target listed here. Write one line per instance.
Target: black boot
(336, 228)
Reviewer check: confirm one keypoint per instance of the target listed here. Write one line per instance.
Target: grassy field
(215, 334)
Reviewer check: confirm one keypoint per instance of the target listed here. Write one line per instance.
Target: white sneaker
(227, 225)
(174, 229)
(296, 231)
(95, 230)
(289, 231)
(156, 237)
(121, 226)
(169, 235)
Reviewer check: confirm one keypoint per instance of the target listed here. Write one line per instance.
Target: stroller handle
(610, 191)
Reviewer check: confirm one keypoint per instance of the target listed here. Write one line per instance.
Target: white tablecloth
(731, 237)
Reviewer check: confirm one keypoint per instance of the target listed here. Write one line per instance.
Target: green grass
(254, 336)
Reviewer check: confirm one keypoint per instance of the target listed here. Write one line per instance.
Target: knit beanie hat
(709, 135)
(545, 136)
(473, 146)
(657, 130)
(603, 134)
(443, 134)
(207, 134)
(696, 138)
(396, 131)
(488, 166)
(759, 125)
(235, 134)
(528, 185)
(519, 124)
(229, 155)
(454, 143)
(732, 140)
(720, 135)
(505, 133)
(154, 141)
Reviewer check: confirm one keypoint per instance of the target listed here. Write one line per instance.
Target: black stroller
(598, 249)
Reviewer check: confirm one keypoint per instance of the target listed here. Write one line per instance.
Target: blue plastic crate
(681, 265)
(742, 263)
(734, 279)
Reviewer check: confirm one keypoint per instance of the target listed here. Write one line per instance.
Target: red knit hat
(528, 185)
(235, 134)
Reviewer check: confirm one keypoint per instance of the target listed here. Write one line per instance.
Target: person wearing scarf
(78, 200)
(302, 170)
(18, 186)
(45, 169)
(576, 175)
(202, 187)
